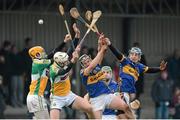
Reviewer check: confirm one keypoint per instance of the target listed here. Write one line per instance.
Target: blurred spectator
(173, 67)
(2, 61)
(177, 108)
(176, 94)
(2, 102)
(17, 82)
(6, 69)
(26, 66)
(162, 93)
(140, 83)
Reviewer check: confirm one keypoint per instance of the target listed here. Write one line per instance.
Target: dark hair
(136, 44)
(27, 40)
(84, 47)
(6, 43)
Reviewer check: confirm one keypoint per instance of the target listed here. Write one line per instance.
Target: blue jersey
(129, 73)
(93, 83)
(114, 88)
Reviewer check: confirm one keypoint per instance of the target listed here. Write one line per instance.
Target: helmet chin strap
(60, 65)
(41, 56)
(57, 64)
(82, 65)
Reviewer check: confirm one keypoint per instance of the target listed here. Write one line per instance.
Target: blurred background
(152, 25)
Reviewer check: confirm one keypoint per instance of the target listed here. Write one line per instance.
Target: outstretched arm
(66, 39)
(74, 42)
(116, 52)
(96, 60)
(72, 62)
(162, 67)
(101, 41)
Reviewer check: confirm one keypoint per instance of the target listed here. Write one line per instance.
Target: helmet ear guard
(37, 52)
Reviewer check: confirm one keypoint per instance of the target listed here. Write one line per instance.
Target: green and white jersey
(39, 76)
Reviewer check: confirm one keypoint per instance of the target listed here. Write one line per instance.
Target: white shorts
(59, 102)
(36, 103)
(107, 117)
(101, 102)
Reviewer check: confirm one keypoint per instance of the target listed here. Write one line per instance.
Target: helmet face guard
(135, 50)
(61, 58)
(83, 58)
(37, 52)
(108, 70)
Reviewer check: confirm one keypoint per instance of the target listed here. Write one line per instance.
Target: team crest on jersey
(61, 78)
(96, 70)
(64, 77)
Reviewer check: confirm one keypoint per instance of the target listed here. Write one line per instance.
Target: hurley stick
(61, 10)
(88, 16)
(75, 14)
(96, 16)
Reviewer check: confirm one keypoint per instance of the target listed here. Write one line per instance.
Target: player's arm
(116, 52)
(96, 60)
(72, 62)
(75, 41)
(162, 67)
(60, 46)
(102, 40)
(66, 69)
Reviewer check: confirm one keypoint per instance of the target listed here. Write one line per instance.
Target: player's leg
(41, 114)
(128, 90)
(55, 113)
(37, 105)
(57, 103)
(82, 104)
(122, 116)
(118, 104)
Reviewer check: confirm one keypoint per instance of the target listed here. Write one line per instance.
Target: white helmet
(61, 58)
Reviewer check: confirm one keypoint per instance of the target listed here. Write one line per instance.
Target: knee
(88, 109)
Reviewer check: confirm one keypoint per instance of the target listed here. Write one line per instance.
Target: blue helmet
(135, 50)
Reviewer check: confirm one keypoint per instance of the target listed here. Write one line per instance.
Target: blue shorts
(128, 85)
